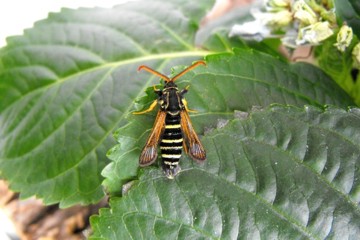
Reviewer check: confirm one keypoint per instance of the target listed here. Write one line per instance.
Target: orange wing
(192, 143)
(149, 152)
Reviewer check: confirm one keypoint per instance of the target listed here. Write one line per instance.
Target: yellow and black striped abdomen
(171, 145)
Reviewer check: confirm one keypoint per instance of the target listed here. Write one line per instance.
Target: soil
(33, 220)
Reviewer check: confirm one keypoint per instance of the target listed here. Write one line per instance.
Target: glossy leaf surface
(282, 173)
(69, 82)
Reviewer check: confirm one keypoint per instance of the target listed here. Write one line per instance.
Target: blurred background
(17, 15)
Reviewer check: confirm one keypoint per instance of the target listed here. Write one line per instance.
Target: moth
(172, 129)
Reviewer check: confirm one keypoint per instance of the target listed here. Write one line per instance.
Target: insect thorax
(170, 100)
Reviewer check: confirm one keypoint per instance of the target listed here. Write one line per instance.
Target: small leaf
(284, 173)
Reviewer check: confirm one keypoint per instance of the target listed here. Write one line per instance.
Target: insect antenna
(187, 69)
(150, 70)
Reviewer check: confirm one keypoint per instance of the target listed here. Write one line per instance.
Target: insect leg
(152, 106)
(186, 106)
(185, 90)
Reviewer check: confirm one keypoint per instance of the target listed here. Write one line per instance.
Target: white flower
(260, 28)
(314, 33)
(276, 5)
(279, 19)
(274, 20)
(254, 30)
(344, 38)
(304, 13)
(297, 21)
(356, 55)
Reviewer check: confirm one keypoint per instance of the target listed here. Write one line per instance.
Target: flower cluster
(297, 22)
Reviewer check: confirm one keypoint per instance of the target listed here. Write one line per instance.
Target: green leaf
(69, 82)
(282, 173)
(338, 65)
(349, 11)
(230, 82)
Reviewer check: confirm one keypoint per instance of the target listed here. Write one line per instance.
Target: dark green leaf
(349, 11)
(283, 173)
(230, 82)
(69, 82)
(338, 65)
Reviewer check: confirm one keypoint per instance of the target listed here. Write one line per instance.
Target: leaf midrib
(112, 66)
(141, 59)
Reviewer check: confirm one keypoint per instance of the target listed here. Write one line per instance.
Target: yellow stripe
(171, 163)
(173, 113)
(171, 148)
(172, 126)
(172, 140)
(171, 155)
